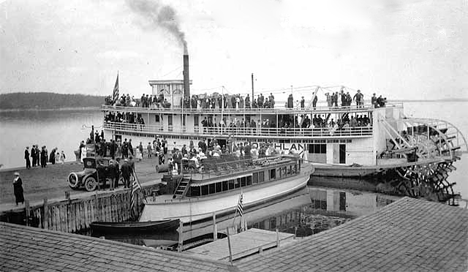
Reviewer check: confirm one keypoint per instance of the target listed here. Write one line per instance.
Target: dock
(242, 244)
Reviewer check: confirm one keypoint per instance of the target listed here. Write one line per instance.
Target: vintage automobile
(95, 170)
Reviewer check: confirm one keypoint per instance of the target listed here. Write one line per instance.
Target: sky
(403, 49)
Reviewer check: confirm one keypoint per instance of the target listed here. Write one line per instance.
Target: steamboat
(371, 140)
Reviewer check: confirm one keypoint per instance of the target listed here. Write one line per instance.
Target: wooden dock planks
(242, 244)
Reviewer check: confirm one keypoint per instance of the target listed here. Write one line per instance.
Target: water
(65, 130)
(306, 212)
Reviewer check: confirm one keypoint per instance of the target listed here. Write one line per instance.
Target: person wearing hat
(26, 157)
(127, 171)
(18, 189)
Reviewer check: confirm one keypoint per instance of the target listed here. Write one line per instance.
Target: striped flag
(240, 205)
(135, 187)
(115, 93)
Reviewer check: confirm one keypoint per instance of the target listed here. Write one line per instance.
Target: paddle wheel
(433, 146)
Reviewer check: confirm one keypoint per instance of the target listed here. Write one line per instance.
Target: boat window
(225, 185)
(237, 183)
(272, 174)
(318, 148)
(195, 191)
(273, 223)
(249, 180)
(212, 188)
(261, 176)
(261, 225)
(196, 121)
(231, 184)
(204, 190)
(156, 118)
(243, 182)
(219, 186)
(295, 168)
(255, 178)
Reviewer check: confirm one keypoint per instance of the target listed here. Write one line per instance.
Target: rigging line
(172, 71)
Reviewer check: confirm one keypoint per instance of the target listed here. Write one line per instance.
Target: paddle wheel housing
(435, 141)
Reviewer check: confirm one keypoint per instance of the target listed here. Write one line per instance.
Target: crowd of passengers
(238, 101)
(127, 117)
(239, 125)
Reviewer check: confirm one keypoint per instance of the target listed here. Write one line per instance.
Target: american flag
(115, 93)
(240, 205)
(135, 187)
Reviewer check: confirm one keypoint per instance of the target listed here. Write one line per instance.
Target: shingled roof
(408, 235)
(32, 249)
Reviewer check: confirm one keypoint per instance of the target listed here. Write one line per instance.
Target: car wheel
(73, 180)
(90, 184)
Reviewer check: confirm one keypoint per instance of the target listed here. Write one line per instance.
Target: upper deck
(176, 121)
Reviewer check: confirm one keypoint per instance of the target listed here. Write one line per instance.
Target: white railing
(240, 131)
(275, 110)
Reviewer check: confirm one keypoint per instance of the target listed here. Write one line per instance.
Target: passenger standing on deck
(18, 189)
(302, 103)
(26, 157)
(149, 149)
(130, 147)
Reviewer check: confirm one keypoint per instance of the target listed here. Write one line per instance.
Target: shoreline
(57, 109)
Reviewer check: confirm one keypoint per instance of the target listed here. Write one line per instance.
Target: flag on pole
(240, 205)
(136, 186)
(115, 93)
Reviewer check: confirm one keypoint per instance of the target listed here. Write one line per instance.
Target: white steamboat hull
(192, 209)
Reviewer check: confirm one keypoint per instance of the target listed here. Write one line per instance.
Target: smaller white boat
(217, 187)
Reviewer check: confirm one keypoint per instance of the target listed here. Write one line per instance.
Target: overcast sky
(402, 49)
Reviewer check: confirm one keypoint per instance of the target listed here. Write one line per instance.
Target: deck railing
(253, 132)
(217, 110)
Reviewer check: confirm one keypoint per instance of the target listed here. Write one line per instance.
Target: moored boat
(216, 188)
(127, 227)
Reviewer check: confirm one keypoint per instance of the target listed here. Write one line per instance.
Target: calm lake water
(303, 213)
(65, 129)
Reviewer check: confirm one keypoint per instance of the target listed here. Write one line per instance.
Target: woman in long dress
(18, 189)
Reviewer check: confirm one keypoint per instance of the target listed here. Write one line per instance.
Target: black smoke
(159, 15)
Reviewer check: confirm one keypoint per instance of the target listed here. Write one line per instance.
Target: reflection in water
(304, 213)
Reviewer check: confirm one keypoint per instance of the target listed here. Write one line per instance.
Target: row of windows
(257, 177)
(318, 148)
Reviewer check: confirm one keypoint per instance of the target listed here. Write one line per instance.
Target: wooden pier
(74, 215)
(242, 244)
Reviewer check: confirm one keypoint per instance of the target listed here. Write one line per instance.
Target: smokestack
(186, 76)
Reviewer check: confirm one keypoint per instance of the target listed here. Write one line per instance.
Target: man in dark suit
(26, 157)
(33, 155)
(127, 171)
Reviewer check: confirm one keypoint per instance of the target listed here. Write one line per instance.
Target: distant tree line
(45, 100)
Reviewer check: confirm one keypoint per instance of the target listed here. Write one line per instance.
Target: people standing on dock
(18, 189)
(26, 157)
(62, 157)
(38, 155)
(127, 171)
(33, 155)
(44, 157)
